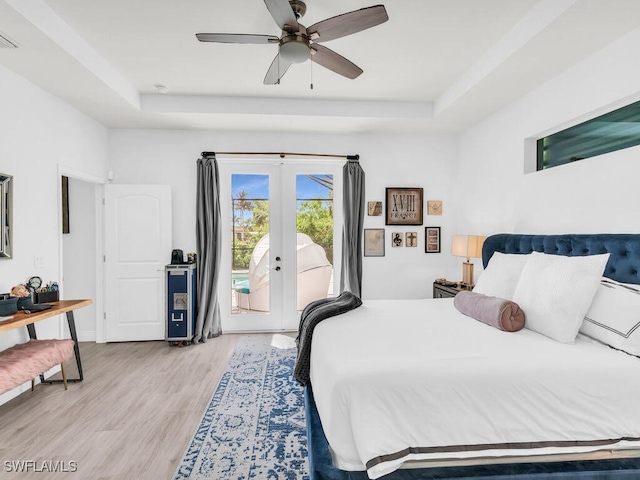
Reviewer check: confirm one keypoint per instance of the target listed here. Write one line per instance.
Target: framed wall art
(396, 239)
(374, 242)
(411, 239)
(434, 207)
(431, 239)
(403, 206)
(374, 209)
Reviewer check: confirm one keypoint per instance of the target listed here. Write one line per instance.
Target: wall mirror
(6, 226)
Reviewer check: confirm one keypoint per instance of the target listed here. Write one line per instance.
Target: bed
(414, 389)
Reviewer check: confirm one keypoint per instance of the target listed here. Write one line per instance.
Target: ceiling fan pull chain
(311, 67)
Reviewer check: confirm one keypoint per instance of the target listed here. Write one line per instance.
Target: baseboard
(87, 336)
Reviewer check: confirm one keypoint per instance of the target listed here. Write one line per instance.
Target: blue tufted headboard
(623, 265)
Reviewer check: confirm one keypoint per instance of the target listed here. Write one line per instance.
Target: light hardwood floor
(131, 418)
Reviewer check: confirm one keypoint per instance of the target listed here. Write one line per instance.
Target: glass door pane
(314, 238)
(250, 273)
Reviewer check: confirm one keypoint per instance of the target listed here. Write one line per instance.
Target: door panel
(137, 246)
(282, 268)
(250, 286)
(312, 233)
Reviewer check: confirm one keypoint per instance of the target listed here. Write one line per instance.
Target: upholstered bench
(28, 360)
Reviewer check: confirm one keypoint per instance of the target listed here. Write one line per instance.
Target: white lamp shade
(468, 246)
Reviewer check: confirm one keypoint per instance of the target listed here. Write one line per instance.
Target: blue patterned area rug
(254, 426)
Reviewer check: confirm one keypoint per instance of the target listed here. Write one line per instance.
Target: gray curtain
(208, 236)
(353, 208)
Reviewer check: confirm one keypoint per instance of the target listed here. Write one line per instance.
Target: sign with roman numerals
(404, 206)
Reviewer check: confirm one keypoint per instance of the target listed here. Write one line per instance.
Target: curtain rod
(284, 154)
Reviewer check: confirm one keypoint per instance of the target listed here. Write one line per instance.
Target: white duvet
(398, 374)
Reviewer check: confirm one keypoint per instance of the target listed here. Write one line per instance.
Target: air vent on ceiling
(6, 43)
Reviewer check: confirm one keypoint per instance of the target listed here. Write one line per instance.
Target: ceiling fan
(299, 43)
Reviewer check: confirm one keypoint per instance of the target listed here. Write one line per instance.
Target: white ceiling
(435, 66)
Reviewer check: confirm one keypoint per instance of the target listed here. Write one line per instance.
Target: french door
(281, 241)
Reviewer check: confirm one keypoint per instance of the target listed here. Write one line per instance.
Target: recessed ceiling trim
(540, 17)
(283, 106)
(54, 27)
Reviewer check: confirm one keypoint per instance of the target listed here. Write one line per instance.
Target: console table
(28, 320)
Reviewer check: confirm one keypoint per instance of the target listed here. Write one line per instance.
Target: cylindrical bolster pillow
(497, 312)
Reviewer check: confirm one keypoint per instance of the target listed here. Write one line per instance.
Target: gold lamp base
(467, 273)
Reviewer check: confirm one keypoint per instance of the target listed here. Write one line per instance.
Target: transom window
(612, 131)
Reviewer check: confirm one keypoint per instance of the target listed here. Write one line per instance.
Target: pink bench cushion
(25, 361)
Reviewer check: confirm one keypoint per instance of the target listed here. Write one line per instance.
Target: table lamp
(469, 246)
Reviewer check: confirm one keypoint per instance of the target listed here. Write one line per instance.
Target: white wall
(39, 132)
(80, 253)
(169, 157)
(599, 194)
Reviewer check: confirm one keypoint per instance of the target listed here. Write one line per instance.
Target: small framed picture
(434, 207)
(431, 239)
(411, 239)
(397, 239)
(404, 206)
(374, 242)
(374, 209)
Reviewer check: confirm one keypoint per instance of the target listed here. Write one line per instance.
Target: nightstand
(445, 291)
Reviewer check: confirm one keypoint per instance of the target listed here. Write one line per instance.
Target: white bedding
(394, 374)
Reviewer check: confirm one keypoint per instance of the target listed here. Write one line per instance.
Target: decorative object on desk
(434, 207)
(9, 306)
(374, 209)
(469, 246)
(374, 242)
(6, 216)
(34, 283)
(45, 297)
(411, 239)
(404, 206)
(48, 293)
(191, 258)
(396, 239)
(254, 427)
(431, 239)
(22, 293)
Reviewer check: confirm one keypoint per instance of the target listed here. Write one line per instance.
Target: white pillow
(556, 291)
(614, 316)
(501, 276)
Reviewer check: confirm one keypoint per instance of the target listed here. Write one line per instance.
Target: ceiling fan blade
(347, 23)
(276, 71)
(283, 14)
(236, 38)
(334, 62)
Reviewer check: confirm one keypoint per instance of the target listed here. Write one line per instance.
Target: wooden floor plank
(133, 416)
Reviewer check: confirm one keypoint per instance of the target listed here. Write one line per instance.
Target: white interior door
(137, 247)
(270, 270)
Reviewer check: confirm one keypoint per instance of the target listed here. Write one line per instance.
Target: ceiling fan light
(294, 50)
